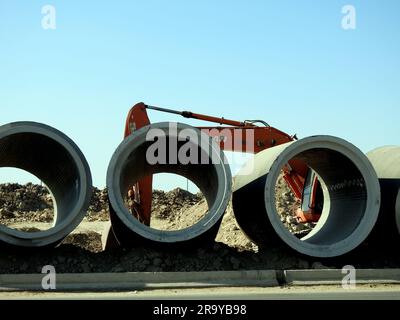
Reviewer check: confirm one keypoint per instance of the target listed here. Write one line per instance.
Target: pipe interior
(50, 162)
(345, 195)
(204, 176)
(397, 210)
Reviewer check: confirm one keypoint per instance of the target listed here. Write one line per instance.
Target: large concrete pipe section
(55, 159)
(386, 161)
(130, 163)
(351, 196)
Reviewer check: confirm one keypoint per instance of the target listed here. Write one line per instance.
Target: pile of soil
(168, 205)
(98, 209)
(82, 250)
(173, 210)
(34, 203)
(21, 203)
(286, 205)
(177, 209)
(24, 205)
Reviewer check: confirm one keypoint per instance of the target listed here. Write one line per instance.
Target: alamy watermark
(49, 17)
(348, 22)
(349, 19)
(49, 281)
(349, 281)
(188, 146)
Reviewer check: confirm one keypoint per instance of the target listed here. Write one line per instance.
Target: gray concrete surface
(386, 162)
(188, 280)
(63, 169)
(335, 277)
(141, 280)
(129, 164)
(351, 196)
(361, 293)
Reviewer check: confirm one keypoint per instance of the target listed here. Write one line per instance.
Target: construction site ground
(29, 208)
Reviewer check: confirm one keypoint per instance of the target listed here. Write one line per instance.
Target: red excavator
(229, 134)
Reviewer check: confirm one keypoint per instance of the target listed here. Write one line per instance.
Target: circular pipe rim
(373, 196)
(114, 191)
(63, 229)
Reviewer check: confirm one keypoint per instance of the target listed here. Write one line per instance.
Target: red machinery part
(234, 136)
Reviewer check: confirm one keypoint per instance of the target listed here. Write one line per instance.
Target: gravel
(81, 252)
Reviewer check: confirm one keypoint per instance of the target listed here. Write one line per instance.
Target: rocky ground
(28, 203)
(286, 205)
(177, 209)
(23, 206)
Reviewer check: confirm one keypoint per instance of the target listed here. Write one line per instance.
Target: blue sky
(287, 62)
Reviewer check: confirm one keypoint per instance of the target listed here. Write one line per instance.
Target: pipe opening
(397, 210)
(351, 195)
(204, 176)
(345, 193)
(130, 164)
(48, 161)
(24, 206)
(177, 207)
(55, 160)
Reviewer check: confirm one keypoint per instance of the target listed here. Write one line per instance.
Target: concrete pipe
(208, 170)
(52, 157)
(386, 161)
(351, 196)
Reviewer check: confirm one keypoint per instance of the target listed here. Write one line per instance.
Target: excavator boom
(231, 135)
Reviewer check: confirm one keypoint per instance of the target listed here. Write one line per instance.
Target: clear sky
(289, 63)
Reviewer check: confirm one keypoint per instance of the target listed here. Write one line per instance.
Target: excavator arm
(231, 135)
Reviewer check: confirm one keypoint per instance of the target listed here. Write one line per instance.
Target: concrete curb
(186, 280)
(141, 281)
(335, 277)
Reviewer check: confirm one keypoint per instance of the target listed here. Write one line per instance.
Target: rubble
(286, 205)
(81, 252)
(30, 202)
(173, 210)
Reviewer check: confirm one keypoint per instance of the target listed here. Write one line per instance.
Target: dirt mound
(179, 209)
(19, 203)
(34, 203)
(169, 204)
(174, 210)
(81, 251)
(231, 235)
(23, 206)
(286, 205)
(98, 209)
